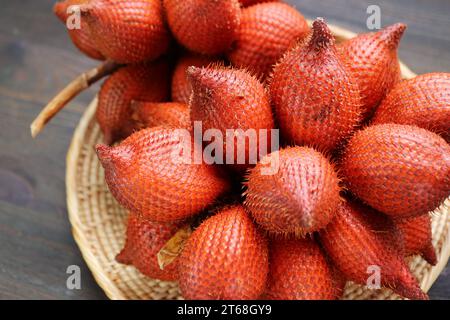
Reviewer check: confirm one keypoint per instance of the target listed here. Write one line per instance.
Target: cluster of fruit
(364, 158)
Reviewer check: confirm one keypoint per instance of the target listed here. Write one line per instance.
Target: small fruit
(299, 270)
(423, 101)
(225, 258)
(266, 32)
(316, 100)
(204, 26)
(397, 169)
(354, 248)
(373, 61)
(153, 174)
(300, 197)
(153, 114)
(144, 240)
(148, 82)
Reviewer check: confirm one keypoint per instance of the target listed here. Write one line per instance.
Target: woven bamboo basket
(99, 223)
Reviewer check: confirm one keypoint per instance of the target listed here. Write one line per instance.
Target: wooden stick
(78, 85)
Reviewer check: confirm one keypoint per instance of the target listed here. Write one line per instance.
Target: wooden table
(37, 59)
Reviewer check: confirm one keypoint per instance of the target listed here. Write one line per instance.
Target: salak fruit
(266, 32)
(354, 248)
(300, 196)
(204, 26)
(153, 114)
(226, 258)
(373, 62)
(399, 170)
(316, 100)
(154, 174)
(144, 240)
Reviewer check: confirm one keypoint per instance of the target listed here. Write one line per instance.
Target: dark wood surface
(37, 59)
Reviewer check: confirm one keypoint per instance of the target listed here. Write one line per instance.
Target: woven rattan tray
(98, 223)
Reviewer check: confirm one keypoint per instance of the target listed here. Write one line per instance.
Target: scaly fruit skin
(373, 61)
(146, 175)
(153, 114)
(181, 88)
(127, 31)
(225, 98)
(247, 3)
(300, 197)
(354, 247)
(416, 232)
(204, 26)
(299, 270)
(266, 32)
(147, 81)
(423, 101)
(226, 258)
(316, 100)
(80, 37)
(397, 169)
(144, 240)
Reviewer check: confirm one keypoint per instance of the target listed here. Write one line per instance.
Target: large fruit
(423, 101)
(144, 240)
(373, 61)
(148, 82)
(266, 32)
(204, 26)
(153, 173)
(356, 250)
(230, 99)
(397, 169)
(300, 196)
(225, 258)
(153, 114)
(127, 31)
(299, 270)
(316, 100)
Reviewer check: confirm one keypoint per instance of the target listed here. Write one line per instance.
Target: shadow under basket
(99, 223)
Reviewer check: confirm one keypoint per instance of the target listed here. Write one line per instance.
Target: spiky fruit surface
(225, 258)
(397, 169)
(148, 82)
(354, 247)
(153, 114)
(300, 197)
(316, 100)
(266, 32)
(127, 31)
(149, 173)
(247, 3)
(416, 233)
(299, 271)
(181, 88)
(204, 26)
(80, 37)
(423, 101)
(144, 240)
(225, 98)
(373, 61)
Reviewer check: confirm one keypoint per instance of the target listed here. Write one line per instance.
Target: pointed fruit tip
(429, 254)
(103, 152)
(393, 34)
(322, 36)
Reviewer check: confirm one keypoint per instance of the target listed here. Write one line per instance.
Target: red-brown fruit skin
(80, 37)
(153, 114)
(204, 26)
(316, 101)
(145, 175)
(417, 238)
(144, 240)
(226, 258)
(226, 98)
(299, 198)
(373, 61)
(397, 169)
(354, 247)
(299, 270)
(248, 3)
(146, 81)
(181, 88)
(423, 101)
(266, 32)
(127, 31)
